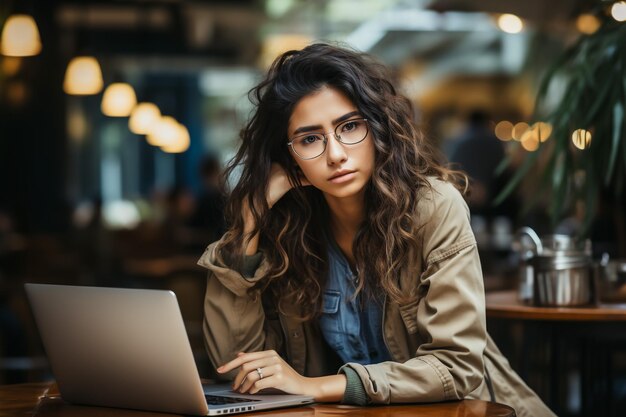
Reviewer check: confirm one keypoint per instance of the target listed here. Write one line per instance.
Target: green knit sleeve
(355, 392)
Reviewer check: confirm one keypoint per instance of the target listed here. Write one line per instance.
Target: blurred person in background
(478, 152)
(179, 208)
(208, 217)
(349, 271)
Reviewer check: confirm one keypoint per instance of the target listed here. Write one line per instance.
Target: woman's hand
(266, 369)
(277, 187)
(279, 184)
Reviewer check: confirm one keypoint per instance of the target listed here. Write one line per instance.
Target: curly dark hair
(292, 233)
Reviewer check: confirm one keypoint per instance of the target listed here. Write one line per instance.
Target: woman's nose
(335, 152)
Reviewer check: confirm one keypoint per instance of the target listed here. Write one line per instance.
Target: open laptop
(128, 348)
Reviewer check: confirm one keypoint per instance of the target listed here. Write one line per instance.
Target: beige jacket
(439, 343)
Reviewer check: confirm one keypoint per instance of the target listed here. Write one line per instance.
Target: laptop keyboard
(220, 400)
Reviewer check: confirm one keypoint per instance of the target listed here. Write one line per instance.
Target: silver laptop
(128, 348)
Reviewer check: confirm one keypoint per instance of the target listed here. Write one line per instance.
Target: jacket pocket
(408, 312)
(330, 320)
(330, 304)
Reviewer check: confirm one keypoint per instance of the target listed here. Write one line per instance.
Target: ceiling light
(181, 143)
(164, 133)
(20, 36)
(618, 11)
(83, 76)
(510, 23)
(118, 100)
(143, 118)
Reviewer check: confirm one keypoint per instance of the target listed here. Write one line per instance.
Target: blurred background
(117, 117)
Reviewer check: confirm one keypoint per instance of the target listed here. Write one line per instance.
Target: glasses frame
(324, 135)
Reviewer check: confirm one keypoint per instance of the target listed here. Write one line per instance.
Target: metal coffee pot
(555, 270)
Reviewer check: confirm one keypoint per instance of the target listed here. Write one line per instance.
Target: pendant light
(20, 36)
(164, 133)
(83, 76)
(118, 100)
(181, 143)
(144, 118)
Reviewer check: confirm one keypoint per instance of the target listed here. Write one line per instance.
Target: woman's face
(342, 170)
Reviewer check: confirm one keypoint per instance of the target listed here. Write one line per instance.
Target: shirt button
(296, 334)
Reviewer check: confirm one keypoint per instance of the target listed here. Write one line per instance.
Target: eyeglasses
(312, 145)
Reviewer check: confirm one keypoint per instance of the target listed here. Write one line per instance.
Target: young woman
(350, 271)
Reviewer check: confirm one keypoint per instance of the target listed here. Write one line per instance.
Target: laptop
(128, 348)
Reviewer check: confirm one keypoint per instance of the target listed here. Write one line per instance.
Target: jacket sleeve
(449, 317)
(234, 321)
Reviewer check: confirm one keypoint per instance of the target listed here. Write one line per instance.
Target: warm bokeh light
(77, 124)
(618, 11)
(20, 36)
(587, 24)
(519, 129)
(143, 118)
(11, 65)
(275, 45)
(504, 130)
(164, 133)
(83, 76)
(581, 138)
(530, 140)
(510, 23)
(530, 145)
(182, 141)
(543, 130)
(118, 100)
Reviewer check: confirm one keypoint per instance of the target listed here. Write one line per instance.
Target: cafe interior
(117, 118)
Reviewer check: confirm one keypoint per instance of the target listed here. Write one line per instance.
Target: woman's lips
(342, 177)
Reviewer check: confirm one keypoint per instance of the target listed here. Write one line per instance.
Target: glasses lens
(309, 146)
(352, 131)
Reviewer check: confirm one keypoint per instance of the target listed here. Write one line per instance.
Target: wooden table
(592, 332)
(505, 304)
(42, 399)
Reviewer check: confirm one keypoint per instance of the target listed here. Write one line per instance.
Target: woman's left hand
(265, 369)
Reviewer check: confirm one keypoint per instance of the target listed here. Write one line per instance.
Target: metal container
(562, 279)
(554, 270)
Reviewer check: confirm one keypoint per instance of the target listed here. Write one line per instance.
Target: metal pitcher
(555, 270)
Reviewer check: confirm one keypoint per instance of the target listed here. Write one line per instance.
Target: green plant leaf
(529, 161)
(618, 118)
(598, 103)
(594, 99)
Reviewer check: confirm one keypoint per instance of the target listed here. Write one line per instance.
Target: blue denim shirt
(353, 331)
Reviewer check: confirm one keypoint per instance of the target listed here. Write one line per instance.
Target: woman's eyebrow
(311, 128)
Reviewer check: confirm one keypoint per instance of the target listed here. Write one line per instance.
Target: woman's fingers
(266, 382)
(256, 377)
(266, 369)
(278, 184)
(248, 371)
(248, 362)
(244, 358)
